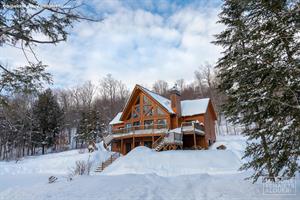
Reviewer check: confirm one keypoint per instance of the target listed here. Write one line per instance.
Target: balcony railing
(192, 126)
(146, 128)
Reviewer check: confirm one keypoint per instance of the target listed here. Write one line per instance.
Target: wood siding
(124, 143)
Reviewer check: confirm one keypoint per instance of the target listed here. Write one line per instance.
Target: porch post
(133, 142)
(152, 139)
(121, 146)
(195, 143)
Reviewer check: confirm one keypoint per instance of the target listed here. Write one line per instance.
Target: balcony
(186, 128)
(141, 129)
(192, 127)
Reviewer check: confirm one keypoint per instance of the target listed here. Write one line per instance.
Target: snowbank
(143, 160)
(234, 143)
(55, 163)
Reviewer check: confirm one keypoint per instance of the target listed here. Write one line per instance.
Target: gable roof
(194, 107)
(188, 107)
(116, 119)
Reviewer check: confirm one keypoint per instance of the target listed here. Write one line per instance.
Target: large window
(161, 123)
(136, 111)
(146, 101)
(148, 110)
(136, 123)
(148, 124)
(128, 125)
(160, 112)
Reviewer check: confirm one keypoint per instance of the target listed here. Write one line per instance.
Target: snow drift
(54, 163)
(143, 160)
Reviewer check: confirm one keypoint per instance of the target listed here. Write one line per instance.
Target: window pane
(148, 110)
(160, 112)
(138, 101)
(135, 115)
(148, 122)
(161, 123)
(136, 123)
(146, 101)
(137, 111)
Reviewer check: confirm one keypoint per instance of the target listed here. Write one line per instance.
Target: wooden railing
(140, 127)
(195, 125)
(158, 141)
(108, 162)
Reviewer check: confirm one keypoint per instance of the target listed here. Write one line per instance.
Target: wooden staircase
(108, 162)
(166, 142)
(159, 144)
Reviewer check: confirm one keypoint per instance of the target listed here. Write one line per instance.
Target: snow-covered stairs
(170, 141)
(108, 162)
(159, 146)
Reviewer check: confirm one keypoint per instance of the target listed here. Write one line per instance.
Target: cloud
(135, 43)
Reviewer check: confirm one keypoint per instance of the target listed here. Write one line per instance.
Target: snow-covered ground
(142, 174)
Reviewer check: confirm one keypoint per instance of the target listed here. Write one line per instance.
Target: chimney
(175, 100)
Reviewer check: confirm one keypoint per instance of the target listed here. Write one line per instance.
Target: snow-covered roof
(166, 103)
(116, 119)
(194, 107)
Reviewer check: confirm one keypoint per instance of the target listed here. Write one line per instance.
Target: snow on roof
(194, 107)
(175, 130)
(116, 120)
(166, 103)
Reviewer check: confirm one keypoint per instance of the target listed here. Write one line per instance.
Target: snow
(175, 130)
(194, 107)
(142, 174)
(54, 163)
(143, 160)
(116, 120)
(166, 103)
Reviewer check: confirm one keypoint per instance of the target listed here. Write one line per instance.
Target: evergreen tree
(260, 74)
(48, 116)
(24, 24)
(89, 128)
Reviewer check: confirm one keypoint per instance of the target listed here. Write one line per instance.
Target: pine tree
(260, 75)
(49, 117)
(89, 128)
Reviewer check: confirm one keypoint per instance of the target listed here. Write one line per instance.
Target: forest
(43, 121)
(255, 83)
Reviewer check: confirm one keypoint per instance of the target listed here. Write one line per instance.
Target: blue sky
(138, 41)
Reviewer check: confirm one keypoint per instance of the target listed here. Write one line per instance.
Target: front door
(128, 147)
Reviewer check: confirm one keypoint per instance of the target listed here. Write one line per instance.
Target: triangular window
(137, 101)
(148, 110)
(160, 112)
(147, 101)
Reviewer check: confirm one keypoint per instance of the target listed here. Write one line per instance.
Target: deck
(174, 135)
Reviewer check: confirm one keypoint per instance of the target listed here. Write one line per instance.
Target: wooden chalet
(151, 120)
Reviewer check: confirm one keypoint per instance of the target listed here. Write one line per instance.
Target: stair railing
(157, 142)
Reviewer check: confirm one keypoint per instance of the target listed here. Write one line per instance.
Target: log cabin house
(151, 120)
